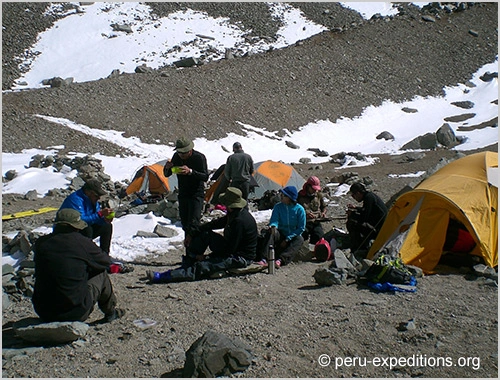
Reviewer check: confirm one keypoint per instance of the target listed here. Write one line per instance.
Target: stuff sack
(322, 250)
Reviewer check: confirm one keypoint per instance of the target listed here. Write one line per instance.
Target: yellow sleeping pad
(22, 214)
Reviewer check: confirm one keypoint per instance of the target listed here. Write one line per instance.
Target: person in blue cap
(287, 223)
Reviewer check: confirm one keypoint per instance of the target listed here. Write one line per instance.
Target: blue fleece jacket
(80, 202)
(290, 220)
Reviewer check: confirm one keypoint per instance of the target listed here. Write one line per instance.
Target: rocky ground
(287, 319)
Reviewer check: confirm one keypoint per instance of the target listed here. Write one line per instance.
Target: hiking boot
(152, 276)
(117, 313)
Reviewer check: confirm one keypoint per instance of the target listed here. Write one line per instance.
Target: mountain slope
(332, 75)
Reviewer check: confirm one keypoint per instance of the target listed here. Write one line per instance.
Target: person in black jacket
(364, 223)
(70, 274)
(192, 171)
(236, 248)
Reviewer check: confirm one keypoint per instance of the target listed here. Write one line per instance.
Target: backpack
(322, 250)
(386, 273)
(268, 200)
(388, 269)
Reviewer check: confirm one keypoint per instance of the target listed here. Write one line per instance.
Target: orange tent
(267, 175)
(272, 175)
(150, 179)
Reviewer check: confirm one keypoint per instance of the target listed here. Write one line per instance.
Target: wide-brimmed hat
(232, 198)
(290, 192)
(70, 216)
(313, 181)
(95, 186)
(183, 145)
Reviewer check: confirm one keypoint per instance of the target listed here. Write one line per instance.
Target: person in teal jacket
(86, 202)
(287, 223)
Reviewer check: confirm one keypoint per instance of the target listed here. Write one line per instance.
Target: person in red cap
(311, 198)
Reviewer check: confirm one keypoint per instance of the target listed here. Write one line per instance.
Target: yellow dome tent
(464, 190)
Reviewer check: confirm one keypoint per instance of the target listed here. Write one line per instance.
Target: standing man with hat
(287, 223)
(70, 274)
(236, 248)
(239, 169)
(192, 171)
(86, 202)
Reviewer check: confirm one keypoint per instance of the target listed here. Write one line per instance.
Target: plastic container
(144, 323)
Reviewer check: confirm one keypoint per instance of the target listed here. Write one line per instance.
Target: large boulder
(215, 354)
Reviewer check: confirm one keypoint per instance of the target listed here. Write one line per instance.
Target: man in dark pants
(192, 171)
(99, 220)
(364, 223)
(239, 170)
(236, 248)
(70, 274)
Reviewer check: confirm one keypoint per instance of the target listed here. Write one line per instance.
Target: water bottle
(270, 260)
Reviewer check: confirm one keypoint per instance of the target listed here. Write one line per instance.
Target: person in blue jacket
(86, 202)
(287, 223)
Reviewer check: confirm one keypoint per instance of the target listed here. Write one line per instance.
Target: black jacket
(193, 184)
(63, 263)
(373, 211)
(240, 232)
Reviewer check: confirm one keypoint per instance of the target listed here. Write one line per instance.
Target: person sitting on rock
(236, 248)
(99, 220)
(312, 199)
(70, 274)
(287, 223)
(364, 223)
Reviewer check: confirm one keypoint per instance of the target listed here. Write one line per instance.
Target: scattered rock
(122, 28)
(35, 331)
(187, 62)
(215, 355)
(165, 232)
(466, 104)
(427, 141)
(446, 137)
(330, 276)
(385, 135)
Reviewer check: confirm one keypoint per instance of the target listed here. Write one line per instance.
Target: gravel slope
(331, 75)
(286, 319)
